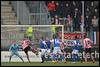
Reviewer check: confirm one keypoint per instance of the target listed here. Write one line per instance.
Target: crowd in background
(69, 14)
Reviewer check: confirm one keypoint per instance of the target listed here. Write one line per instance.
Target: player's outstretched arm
(10, 48)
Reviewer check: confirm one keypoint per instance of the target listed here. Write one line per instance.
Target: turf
(48, 64)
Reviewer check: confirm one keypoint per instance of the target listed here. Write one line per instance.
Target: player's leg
(62, 55)
(55, 54)
(43, 54)
(77, 56)
(86, 51)
(81, 58)
(73, 56)
(19, 56)
(62, 58)
(42, 58)
(48, 53)
(54, 57)
(91, 56)
(26, 52)
(59, 54)
(11, 56)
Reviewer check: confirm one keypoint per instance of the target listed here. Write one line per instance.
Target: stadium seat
(7, 14)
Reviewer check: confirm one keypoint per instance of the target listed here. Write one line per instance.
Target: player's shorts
(75, 51)
(57, 50)
(27, 49)
(87, 50)
(43, 51)
(48, 50)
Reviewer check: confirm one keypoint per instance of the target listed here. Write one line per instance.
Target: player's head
(42, 38)
(85, 37)
(52, 1)
(47, 38)
(68, 16)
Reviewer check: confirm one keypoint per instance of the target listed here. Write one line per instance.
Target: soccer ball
(35, 50)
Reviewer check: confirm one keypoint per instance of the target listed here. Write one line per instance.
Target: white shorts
(75, 51)
(57, 50)
(43, 51)
(48, 50)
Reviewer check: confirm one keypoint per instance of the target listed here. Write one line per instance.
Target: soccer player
(87, 46)
(43, 47)
(75, 50)
(28, 33)
(13, 49)
(62, 47)
(57, 49)
(26, 46)
(48, 42)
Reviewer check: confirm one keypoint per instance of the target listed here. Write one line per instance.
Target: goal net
(17, 32)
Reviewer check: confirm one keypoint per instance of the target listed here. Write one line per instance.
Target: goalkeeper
(28, 33)
(14, 50)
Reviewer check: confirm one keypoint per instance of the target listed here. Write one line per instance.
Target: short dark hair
(42, 38)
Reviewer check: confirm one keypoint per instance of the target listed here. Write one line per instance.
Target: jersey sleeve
(44, 42)
(10, 48)
(52, 40)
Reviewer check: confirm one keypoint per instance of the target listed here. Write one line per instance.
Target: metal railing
(31, 12)
(38, 13)
(21, 11)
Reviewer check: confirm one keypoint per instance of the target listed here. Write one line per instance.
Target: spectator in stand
(81, 25)
(87, 23)
(56, 20)
(52, 21)
(67, 9)
(95, 23)
(52, 8)
(69, 24)
(76, 24)
(58, 10)
(65, 23)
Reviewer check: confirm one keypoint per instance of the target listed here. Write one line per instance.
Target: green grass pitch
(48, 64)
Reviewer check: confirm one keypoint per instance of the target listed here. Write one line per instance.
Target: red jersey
(51, 6)
(62, 46)
(25, 43)
(87, 43)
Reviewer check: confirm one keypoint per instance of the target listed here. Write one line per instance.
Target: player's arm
(29, 42)
(61, 43)
(19, 47)
(91, 41)
(44, 44)
(20, 44)
(10, 48)
(52, 44)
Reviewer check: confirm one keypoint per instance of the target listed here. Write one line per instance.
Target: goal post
(11, 32)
